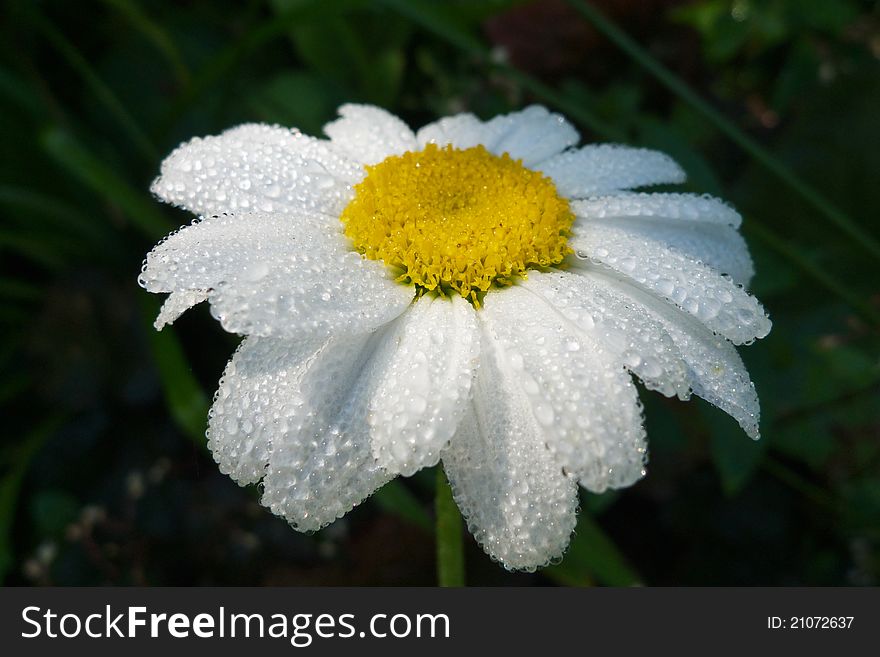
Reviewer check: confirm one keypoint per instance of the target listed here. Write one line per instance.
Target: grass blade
(155, 34)
(100, 177)
(102, 92)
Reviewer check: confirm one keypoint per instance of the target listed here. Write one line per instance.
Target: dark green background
(103, 473)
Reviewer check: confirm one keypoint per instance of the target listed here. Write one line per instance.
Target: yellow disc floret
(458, 220)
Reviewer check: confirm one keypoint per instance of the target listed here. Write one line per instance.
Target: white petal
(257, 168)
(176, 304)
(715, 300)
(720, 247)
(681, 207)
(580, 394)
(461, 131)
(618, 326)
(252, 403)
(702, 227)
(275, 275)
(323, 465)
(369, 134)
(607, 168)
(716, 371)
(466, 131)
(516, 500)
(532, 135)
(425, 392)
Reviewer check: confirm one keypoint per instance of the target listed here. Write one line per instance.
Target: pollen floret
(458, 220)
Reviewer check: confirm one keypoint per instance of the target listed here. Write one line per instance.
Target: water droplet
(544, 414)
(418, 404)
(256, 272)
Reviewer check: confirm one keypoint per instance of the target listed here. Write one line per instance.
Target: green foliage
(184, 397)
(737, 460)
(735, 28)
(102, 465)
(395, 498)
(17, 463)
(593, 558)
(450, 555)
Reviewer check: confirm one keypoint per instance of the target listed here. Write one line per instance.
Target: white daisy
(476, 293)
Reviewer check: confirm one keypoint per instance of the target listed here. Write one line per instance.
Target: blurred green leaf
(811, 433)
(773, 275)
(805, 264)
(52, 511)
(10, 485)
(220, 65)
(31, 248)
(665, 137)
(735, 456)
(300, 99)
(100, 89)
(596, 503)
(848, 365)
(396, 499)
(13, 386)
(592, 558)
(22, 94)
(342, 45)
(816, 494)
(862, 502)
(154, 33)
(53, 219)
(442, 19)
(827, 17)
(19, 290)
(84, 166)
(797, 73)
(808, 440)
(184, 397)
(724, 35)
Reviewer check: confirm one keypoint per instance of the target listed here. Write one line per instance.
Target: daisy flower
(479, 294)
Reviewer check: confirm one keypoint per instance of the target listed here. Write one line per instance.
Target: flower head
(476, 293)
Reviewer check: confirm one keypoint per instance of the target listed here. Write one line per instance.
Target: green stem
(753, 148)
(450, 554)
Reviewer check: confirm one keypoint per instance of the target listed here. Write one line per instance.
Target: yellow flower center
(458, 220)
